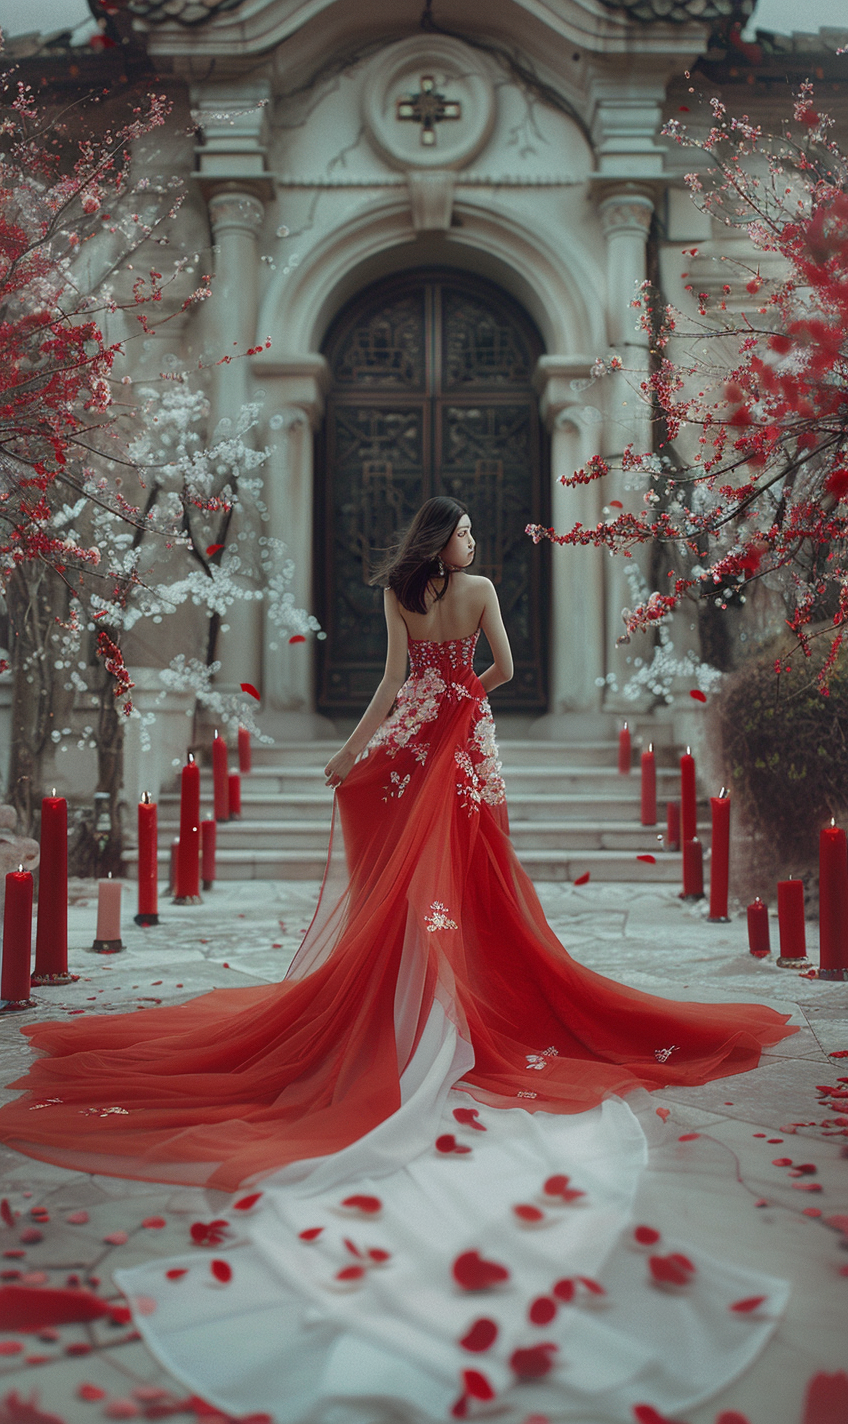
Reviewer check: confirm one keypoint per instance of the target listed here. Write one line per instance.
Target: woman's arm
(380, 705)
(493, 626)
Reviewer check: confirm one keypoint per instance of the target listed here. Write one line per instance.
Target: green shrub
(785, 754)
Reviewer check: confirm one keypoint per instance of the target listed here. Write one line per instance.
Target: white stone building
(439, 219)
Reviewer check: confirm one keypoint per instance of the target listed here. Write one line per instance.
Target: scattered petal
(221, 1270)
(529, 1215)
(671, 1271)
(116, 1238)
(154, 1223)
(213, 549)
(250, 689)
(90, 1392)
(480, 1336)
(664, 1113)
(378, 1255)
(826, 1399)
(542, 1310)
(472, 1272)
(297, 638)
(6, 1213)
(689, 1137)
(311, 1234)
(350, 1273)
(697, 694)
(467, 1117)
(77, 1218)
(584, 878)
(476, 1385)
(751, 1302)
(176, 1273)
(646, 1235)
(533, 1363)
(246, 1203)
(368, 1206)
(564, 1290)
(648, 859)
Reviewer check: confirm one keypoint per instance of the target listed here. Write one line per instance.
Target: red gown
(424, 909)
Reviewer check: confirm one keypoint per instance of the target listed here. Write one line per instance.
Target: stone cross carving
(428, 107)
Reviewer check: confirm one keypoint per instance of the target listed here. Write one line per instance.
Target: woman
(428, 990)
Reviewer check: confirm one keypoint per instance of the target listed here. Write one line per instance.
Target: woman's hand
(338, 767)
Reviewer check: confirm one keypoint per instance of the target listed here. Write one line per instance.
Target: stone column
(625, 214)
(296, 402)
(577, 654)
(235, 217)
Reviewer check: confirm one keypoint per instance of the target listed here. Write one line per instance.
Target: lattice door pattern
(431, 394)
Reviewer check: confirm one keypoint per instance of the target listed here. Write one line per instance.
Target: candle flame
(145, 798)
(833, 821)
(20, 869)
(54, 790)
(722, 793)
(650, 746)
(216, 731)
(109, 877)
(190, 759)
(688, 751)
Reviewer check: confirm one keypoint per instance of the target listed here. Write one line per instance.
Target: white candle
(109, 909)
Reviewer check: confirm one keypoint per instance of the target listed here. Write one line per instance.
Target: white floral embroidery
(417, 704)
(440, 918)
(535, 1060)
(459, 690)
(103, 1112)
(662, 1055)
(47, 1103)
(492, 788)
(400, 784)
(527, 1095)
(468, 790)
(420, 752)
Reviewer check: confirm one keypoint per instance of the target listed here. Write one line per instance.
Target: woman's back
(456, 615)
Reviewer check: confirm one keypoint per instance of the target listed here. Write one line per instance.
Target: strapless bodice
(450, 654)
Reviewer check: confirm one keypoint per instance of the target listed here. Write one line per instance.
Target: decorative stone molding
(235, 212)
(409, 82)
(626, 213)
(431, 196)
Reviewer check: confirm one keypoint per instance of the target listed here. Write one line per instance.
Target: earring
(441, 569)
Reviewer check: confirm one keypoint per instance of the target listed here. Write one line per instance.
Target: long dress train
(429, 1014)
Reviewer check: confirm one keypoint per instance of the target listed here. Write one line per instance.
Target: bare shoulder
(481, 589)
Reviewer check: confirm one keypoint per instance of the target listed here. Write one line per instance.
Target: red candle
(720, 856)
(759, 943)
(188, 855)
(51, 934)
(693, 869)
(790, 918)
(208, 840)
(148, 862)
(833, 903)
(234, 794)
(688, 798)
(649, 786)
(219, 779)
(672, 825)
(624, 751)
(17, 941)
(244, 751)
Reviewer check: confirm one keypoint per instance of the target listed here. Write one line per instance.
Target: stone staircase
(570, 812)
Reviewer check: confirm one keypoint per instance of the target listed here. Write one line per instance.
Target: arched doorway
(431, 393)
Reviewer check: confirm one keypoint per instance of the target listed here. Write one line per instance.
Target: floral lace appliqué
(397, 785)
(103, 1112)
(47, 1103)
(417, 704)
(662, 1055)
(439, 919)
(538, 1061)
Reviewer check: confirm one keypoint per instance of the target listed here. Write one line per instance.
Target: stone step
(589, 780)
(276, 864)
(523, 806)
(515, 752)
(560, 834)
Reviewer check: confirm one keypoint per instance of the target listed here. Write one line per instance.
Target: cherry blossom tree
(747, 482)
(112, 506)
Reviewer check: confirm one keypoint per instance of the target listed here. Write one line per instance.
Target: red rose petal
(542, 1310)
(480, 1336)
(467, 1117)
(90, 1392)
(154, 1223)
(689, 1137)
(311, 1234)
(368, 1205)
(116, 1238)
(782, 1162)
(6, 1213)
(583, 879)
(646, 1235)
(555, 1186)
(472, 1272)
(378, 1255)
(446, 1143)
(533, 1363)
(352, 1247)
(751, 1302)
(698, 695)
(10, 1347)
(826, 1398)
(563, 1290)
(732, 1416)
(476, 1385)
(77, 1218)
(213, 549)
(664, 1113)
(648, 859)
(616, 504)
(350, 1273)
(247, 1202)
(593, 1287)
(221, 1270)
(647, 1414)
(297, 638)
(250, 689)
(176, 1273)
(672, 1270)
(32, 1236)
(528, 1213)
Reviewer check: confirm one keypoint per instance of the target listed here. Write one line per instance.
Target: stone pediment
(233, 30)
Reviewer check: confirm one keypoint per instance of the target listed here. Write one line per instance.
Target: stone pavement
(721, 1187)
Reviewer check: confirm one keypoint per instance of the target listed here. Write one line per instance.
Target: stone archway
(432, 392)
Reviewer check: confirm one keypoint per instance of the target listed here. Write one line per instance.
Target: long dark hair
(414, 562)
